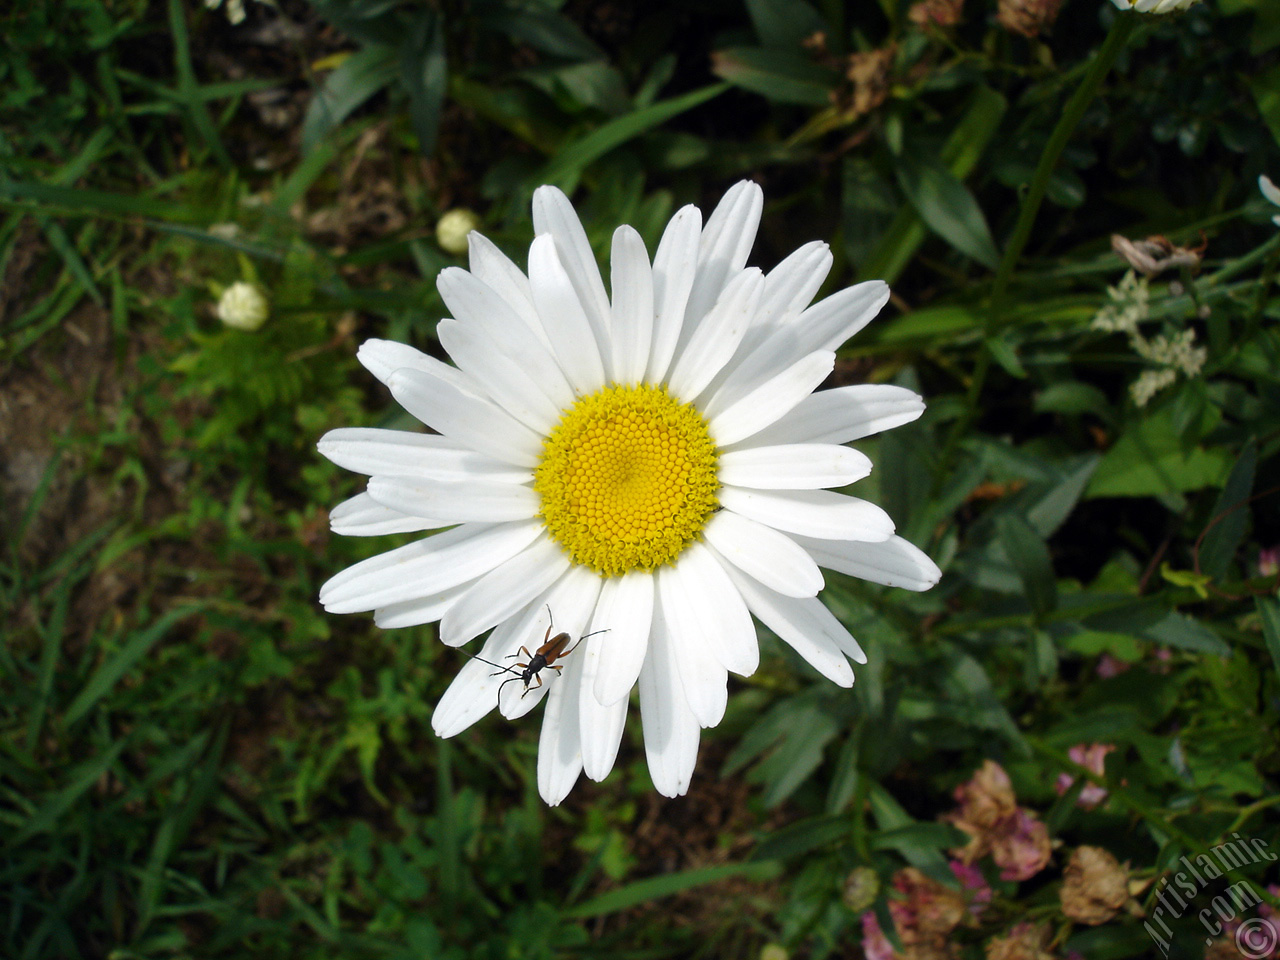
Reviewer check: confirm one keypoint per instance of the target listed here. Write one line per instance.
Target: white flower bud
(243, 306)
(452, 230)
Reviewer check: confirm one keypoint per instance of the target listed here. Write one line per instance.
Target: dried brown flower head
(1156, 254)
(870, 73)
(1027, 17)
(936, 13)
(1026, 941)
(1095, 886)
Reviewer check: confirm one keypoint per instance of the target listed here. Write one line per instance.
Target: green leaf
(570, 161)
(946, 205)
(425, 73)
(1230, 519)
(782, 76)
(784, 23)
(1266, 91)
(1186, 633)
(931, 324)
(349, 87)
(1151, 459)
(1269, 612)
(1029, 555)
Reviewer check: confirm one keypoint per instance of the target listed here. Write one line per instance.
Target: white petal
(373, 451)
(702, 678)
(830, 322)
(725, 245)
(771, 557)
(771, 399)
(792, 284)
(560, 743)
(894, 562)
(503, 378)
(600, 726)
(504, 590)
(813, 513)
(465, 417)
(793, 466)
(844, 414)
(425, 567)
(474, 302)
(361, 516)
(675, 265)
(631, 325)
(465, 501)
(716, 336)
(625, 609)
(382, 358)
(413, 613)
(671, 730)
(1269, 189)
(494, 268)
(573, 340)
(800, 622)
(554, 214)
(824, 326)
(473, 693)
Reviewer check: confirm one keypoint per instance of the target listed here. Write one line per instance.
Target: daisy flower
(653, 465)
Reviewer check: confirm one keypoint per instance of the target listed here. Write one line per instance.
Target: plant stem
(1072, 113)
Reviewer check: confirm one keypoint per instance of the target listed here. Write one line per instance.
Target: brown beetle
(552, 649)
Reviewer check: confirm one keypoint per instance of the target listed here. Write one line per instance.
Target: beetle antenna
(502, 685)
(500, 667)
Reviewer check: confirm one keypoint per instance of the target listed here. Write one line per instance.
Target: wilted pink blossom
(1023, 849)
(989, 814)
(875, 944)
(1092, 757)
(974, 884)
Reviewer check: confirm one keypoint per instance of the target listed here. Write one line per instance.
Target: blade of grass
(188, 89)
(642, 891)
(83, 777)
(109, 673)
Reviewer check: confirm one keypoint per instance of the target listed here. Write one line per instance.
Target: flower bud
(243, 306)
(452, 230)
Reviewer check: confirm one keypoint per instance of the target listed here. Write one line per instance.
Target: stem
(1072, 113)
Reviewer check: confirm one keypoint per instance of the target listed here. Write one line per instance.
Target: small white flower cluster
(1272, 193)
(1130, 306)
(1154, 6)
(235, 9)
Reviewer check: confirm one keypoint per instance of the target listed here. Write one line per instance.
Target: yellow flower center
(627, 479)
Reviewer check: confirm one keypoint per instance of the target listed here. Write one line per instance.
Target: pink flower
(1091, 756)
(989, 814)
(1023, 850)
(974, 884)
(874, 943)
(1109, 666)
(1269, 562)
